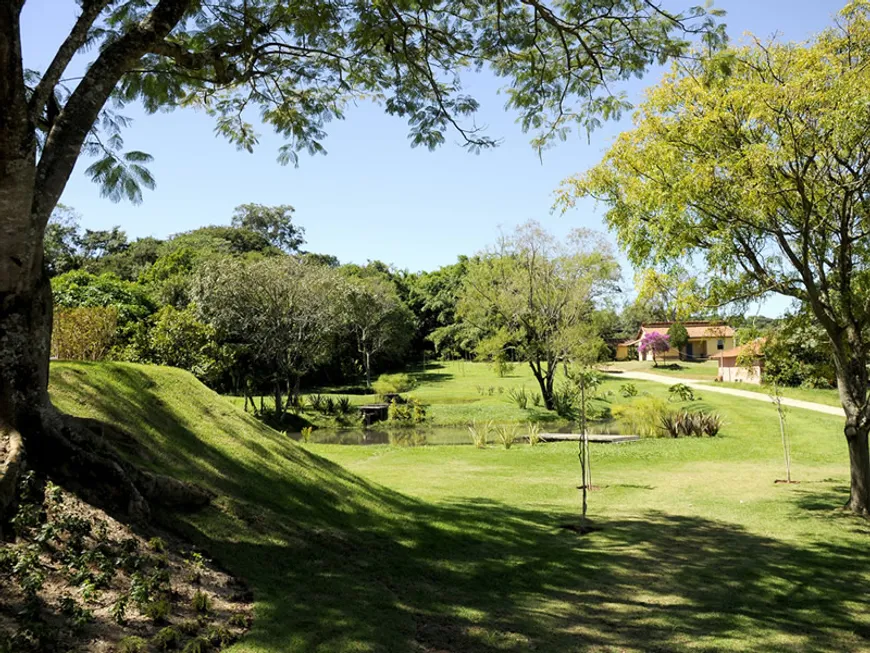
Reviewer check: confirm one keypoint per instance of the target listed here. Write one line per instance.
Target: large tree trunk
(850, 361)
(545, 382)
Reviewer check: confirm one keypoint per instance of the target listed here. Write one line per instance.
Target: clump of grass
(519, 396)
(507, 434)
(305, 434)
(200, 602)
(697, 424)
(132, 644)
(166, 639)
(534, 434)
(480, 433)
(628, 390)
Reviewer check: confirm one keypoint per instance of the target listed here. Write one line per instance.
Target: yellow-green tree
(538, 295)
(754, 163)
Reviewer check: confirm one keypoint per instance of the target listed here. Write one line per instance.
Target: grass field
(698, 371)
(456, 549)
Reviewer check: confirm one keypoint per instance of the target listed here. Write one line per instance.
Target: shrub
(200, 602)
(198, 645)
(565, 401)
(132, 645)
(684, 423)
(394, 384)
(158, 611)
(628, 390)
(534, 434)
(480, 433)
(681, 392)
(643, 416)
(305, 434)
(507, 435)
(329, 406)
(519, 396)
(344, 405)
(166, 639)
(85, 333)
(537, 400)
(316, 402)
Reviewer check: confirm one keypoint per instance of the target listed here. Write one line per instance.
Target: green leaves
(122, 177)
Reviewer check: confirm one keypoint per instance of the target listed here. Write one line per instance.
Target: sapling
(776, 397)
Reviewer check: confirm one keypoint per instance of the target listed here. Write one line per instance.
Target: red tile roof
(694, 329)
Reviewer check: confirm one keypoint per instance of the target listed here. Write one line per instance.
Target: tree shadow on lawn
(338, 563)
(483, 576)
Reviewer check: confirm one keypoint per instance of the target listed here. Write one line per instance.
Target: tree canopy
(754, 164)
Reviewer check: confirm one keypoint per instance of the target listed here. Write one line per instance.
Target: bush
(413, 411)
(628, 390)
(534, 434)
(394, 384)
(507, 435)
(643, 416)
(84, 334)
(519, 396)
(683, 423)
(681, 392)
(166, 639)
(480, 433)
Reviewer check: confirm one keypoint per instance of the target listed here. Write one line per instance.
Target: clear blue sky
(372, 196)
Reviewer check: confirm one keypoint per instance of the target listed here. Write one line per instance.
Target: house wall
(729, 371)
(622, 352)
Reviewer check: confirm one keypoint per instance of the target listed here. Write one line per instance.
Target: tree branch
(63, 145)
(77, 37)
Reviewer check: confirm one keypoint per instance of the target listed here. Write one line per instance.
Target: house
(741, 364)
(706, 338)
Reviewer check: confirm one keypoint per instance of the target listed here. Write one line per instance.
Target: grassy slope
(699, 550)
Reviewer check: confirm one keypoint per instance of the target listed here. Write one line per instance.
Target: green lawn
(827, 396)
(456, 393)
(700, 371)
(456, 549)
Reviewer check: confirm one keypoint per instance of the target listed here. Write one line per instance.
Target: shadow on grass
(340, 564)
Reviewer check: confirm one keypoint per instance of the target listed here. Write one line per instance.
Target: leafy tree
(756, 161)
(179, 339)
(97, 244)
(83, 289)
(539, 294)
(678, 336)
(84, 333)
(379, 324)
(61, 243)
(432, 297)
(131, 262)
(300, 64)
(274, 223)
(655, 343)
(275, 310)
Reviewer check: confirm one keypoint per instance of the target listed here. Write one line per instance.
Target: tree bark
(859, 469)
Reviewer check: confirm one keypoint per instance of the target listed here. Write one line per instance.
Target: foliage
(83, 289)
(61, 245)
(274, 223)
(681, 392)
(85, 333)
(643, 416)
(506, 433)
(519, 396)
(394, 384)
(655, 343)
(696, 424)
(678, 336)
(628, 390)
(757, 156)
(798, 353)
(535, 294)
(377, 321)
(179, 339)
(275, 311)
(411, 411)
(533, 433)
(480, 432)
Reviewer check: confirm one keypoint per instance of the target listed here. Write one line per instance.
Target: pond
(427, 436)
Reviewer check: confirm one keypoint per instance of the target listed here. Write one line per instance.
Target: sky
(373, 197)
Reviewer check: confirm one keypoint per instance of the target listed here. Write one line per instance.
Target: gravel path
(745, 394)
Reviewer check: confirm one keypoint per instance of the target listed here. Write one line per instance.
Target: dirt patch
(74, 579)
